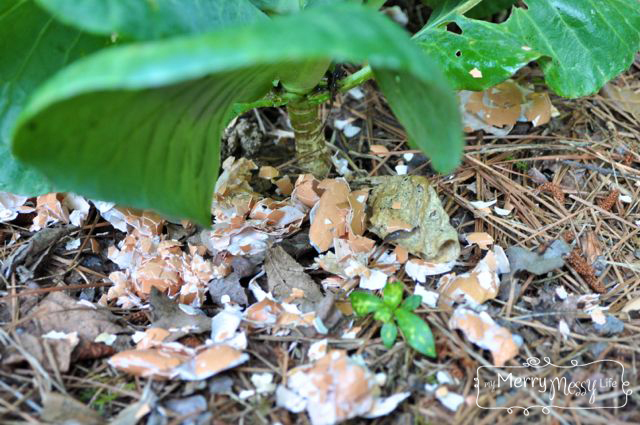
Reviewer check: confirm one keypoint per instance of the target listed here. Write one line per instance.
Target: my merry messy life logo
(566, 387)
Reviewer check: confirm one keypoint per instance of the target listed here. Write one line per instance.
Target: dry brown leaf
(285, 275)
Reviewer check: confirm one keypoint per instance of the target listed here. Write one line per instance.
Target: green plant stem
(311, 150)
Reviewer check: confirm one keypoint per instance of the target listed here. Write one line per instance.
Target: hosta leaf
(392, 294)
(488, 8)
(364, 303)
(411, 303)
(580, 44)
(416, 332)
(279, 7)
(586, 43)
(150, 20)
(32, 47)
(482, 46)
(389, 333)
(140, 124)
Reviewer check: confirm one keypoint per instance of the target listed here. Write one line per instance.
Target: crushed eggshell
(11, 205)
(284, 185)
(418, 269)
(210, 362)
(329, 216)
(269, 173)
(497, 109)
(318, 349)
(429, 298)
(484, 332)
(333, 389)
(175, 360)
(379, 150)
(482, 239)
(474, 287)
(449, 399)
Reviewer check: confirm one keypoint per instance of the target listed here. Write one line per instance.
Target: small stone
(612, 326)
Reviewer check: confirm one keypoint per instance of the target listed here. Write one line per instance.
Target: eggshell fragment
(148, 363)
(329, 215)
(212, 361)
(482, 239)
(335, 388)
(419, 269)
(474, 287)
(484, 332)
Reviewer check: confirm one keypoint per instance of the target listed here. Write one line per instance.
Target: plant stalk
(311, 150)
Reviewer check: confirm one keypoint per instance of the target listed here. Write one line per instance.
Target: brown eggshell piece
(149, 363)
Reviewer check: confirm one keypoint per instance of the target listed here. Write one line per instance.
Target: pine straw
(591, 148)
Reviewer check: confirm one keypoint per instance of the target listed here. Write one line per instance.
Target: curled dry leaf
(551, 259)
(474, 287)
(334, 389)
(497, 109)
(11, 205)
(484, 332)
(421, 226)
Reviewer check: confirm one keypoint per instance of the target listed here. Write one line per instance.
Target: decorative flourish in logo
(551, 386)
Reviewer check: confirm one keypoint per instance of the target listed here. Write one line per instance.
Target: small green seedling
(391, 310)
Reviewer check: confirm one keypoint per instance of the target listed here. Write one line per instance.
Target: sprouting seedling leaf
(384, 314)
(389, 334)
(392, 294)
(416, 332)
(411, 303)
(364, 303)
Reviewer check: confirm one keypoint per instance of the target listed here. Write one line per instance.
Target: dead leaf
(55, 321)
(551, 259)
(30, 254)
(61, 409)
(625, 97)
(430, 236)
(484, 332)
(169, 315)
(591, 247)
(284, 275)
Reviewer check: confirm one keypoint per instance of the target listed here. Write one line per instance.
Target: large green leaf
(580, 44)
(140, 124)
(151, 20)
(32, 47)
(482, 46)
